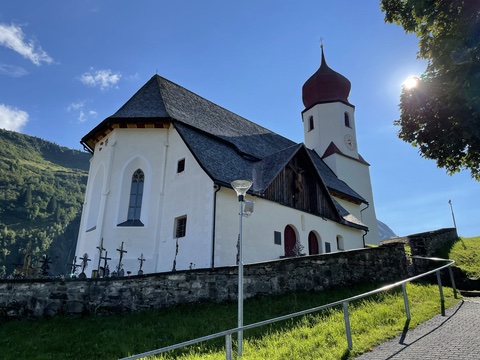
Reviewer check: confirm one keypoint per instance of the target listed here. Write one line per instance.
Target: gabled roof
(160, 98)
(331, 180)
(333, 149)
(227, 146)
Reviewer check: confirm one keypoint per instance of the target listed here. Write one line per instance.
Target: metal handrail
(343, 302)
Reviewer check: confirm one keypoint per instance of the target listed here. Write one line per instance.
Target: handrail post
(452, 280)
(347, 325)
(405, 300)
(228, 346)
(440, 289)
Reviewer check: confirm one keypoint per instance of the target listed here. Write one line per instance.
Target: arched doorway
(312, 244)
(290, 240)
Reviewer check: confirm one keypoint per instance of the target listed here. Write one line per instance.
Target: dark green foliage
(441, 116)
(42, 188)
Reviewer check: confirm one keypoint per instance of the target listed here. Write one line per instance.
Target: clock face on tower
(349, 142)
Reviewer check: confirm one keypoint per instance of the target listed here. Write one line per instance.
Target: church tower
(330, 130)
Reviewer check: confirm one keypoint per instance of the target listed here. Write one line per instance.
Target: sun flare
(410, 82)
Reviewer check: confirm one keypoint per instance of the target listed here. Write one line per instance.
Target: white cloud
(12, 37)
(14, 71)
(104, 79)
(78, 108)
(12, 118)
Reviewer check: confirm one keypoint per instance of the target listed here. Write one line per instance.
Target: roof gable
(145, 103)
(299, 185)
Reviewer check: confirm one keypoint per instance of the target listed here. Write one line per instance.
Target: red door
(290, 241)
(312, 243)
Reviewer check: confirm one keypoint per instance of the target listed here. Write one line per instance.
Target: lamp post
(241, 187)
(453, 215)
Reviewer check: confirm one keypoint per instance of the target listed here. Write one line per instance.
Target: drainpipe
(363, 237)
(217, 189)
(361, 218)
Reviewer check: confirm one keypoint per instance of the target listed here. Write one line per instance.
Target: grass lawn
(315, 336)
(466, 253)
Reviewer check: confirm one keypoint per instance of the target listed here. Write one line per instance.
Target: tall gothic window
(136, 195)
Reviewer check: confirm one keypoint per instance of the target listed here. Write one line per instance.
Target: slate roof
(227, 146)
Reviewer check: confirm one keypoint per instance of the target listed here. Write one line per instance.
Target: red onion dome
(325, 85)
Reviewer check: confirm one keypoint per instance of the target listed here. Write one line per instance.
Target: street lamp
(241, 187)
(453, 215)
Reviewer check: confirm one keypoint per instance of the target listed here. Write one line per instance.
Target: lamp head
(241, 187)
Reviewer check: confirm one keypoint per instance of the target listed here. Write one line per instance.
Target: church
(159, 195)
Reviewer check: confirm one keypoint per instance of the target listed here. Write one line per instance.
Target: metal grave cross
(141, 259)
(45, 261)
(119, 267)
(85, 261)
(100, 250)
(74, 266)
(105, 259)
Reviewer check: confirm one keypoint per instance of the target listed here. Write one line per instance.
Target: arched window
(310, 123)
(347, 120)
(136, 196)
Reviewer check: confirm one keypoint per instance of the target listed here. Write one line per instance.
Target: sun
(410, 82)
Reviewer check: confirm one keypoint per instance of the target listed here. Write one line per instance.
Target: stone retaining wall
(427, 243)
(37, 298)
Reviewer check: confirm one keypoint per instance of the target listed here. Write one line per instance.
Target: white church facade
(159, 194)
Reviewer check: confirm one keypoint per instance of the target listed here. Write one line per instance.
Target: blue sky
(66, 65)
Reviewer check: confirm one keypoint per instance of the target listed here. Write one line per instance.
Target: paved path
(453, 336)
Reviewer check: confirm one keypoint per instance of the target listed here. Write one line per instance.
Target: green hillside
(42, 188)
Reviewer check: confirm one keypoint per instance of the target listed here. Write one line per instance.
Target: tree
(441, 115)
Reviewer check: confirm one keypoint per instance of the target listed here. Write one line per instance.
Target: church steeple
(326, 85)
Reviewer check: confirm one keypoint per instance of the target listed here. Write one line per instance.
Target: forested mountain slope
(42, 188)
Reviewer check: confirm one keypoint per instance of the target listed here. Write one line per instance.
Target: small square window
(180, 166)
(180, 226)
(277, 238)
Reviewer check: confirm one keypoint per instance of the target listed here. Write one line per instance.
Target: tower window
(310, 123)
(180, 166)
(180, 226)
(347, 120)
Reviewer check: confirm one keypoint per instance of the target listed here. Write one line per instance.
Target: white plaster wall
(167, 195)
(357, 176)
(188, 193)
(258, 230)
